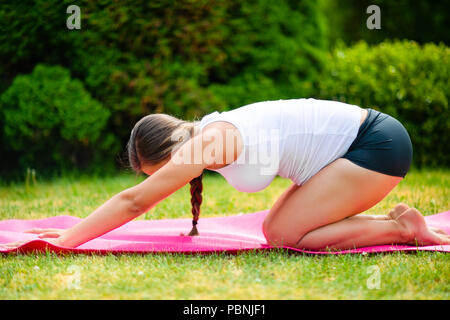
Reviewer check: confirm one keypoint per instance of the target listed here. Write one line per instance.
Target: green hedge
(51, 121)
(275, 50)
(418, 20)
(185, 58)
(406, 80)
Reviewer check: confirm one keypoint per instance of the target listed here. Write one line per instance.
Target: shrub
(185, 58)
(275, 50)
(422, 21)
(51, 121)
(401, 78)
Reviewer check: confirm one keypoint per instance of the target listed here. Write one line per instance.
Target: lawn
(251, 275)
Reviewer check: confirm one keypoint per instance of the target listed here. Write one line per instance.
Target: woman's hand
(46, 233)
(50, 235)
(13, 245)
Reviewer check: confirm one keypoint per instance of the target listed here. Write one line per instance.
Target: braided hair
(151, 141)
(196, 201)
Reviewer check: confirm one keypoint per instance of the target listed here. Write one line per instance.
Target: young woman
(342, 160)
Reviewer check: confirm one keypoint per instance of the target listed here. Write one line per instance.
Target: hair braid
(196, 201)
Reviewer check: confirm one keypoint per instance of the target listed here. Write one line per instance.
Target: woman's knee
(276, 236)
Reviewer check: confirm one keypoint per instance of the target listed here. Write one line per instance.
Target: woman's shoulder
(227, 142)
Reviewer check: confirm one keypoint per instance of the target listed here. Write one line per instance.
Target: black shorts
(382, 145)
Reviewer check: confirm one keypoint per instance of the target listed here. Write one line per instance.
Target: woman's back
(292, 138)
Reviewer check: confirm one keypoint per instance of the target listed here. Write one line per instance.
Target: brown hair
(153, 139)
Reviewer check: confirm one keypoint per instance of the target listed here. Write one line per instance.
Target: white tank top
(292, 138)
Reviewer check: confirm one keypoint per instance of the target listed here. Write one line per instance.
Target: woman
(342, 160)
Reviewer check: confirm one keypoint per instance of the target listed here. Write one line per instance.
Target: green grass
(251, 275)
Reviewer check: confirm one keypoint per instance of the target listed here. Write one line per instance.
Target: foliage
(50, 120)
(419, 20)
(185, 58)
(401, 78)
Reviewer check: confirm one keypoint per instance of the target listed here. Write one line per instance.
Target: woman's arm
(137, 200)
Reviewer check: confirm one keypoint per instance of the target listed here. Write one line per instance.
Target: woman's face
(150, 169)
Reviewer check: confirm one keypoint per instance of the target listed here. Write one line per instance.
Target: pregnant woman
(341, 159)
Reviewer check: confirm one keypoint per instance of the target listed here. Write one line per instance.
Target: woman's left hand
(49, 235)
(46, 232)
(17, 244)
(13, 245)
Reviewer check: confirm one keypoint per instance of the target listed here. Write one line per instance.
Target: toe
(444, 239)
(440, 231)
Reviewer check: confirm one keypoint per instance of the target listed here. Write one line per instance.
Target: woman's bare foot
(402, 207)
(416, 232)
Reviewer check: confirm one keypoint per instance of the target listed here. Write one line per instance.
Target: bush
(402, 78)
(188, 58)
(420, 20)
(275, 50)
(185, 58)
(51, 121)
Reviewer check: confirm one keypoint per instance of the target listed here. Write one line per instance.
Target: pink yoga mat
(218, 234)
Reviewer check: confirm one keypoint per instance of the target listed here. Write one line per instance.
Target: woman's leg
(340, 190)
(354, 233)
(357, 231)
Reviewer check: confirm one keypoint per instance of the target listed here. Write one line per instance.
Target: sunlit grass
(251, 275)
